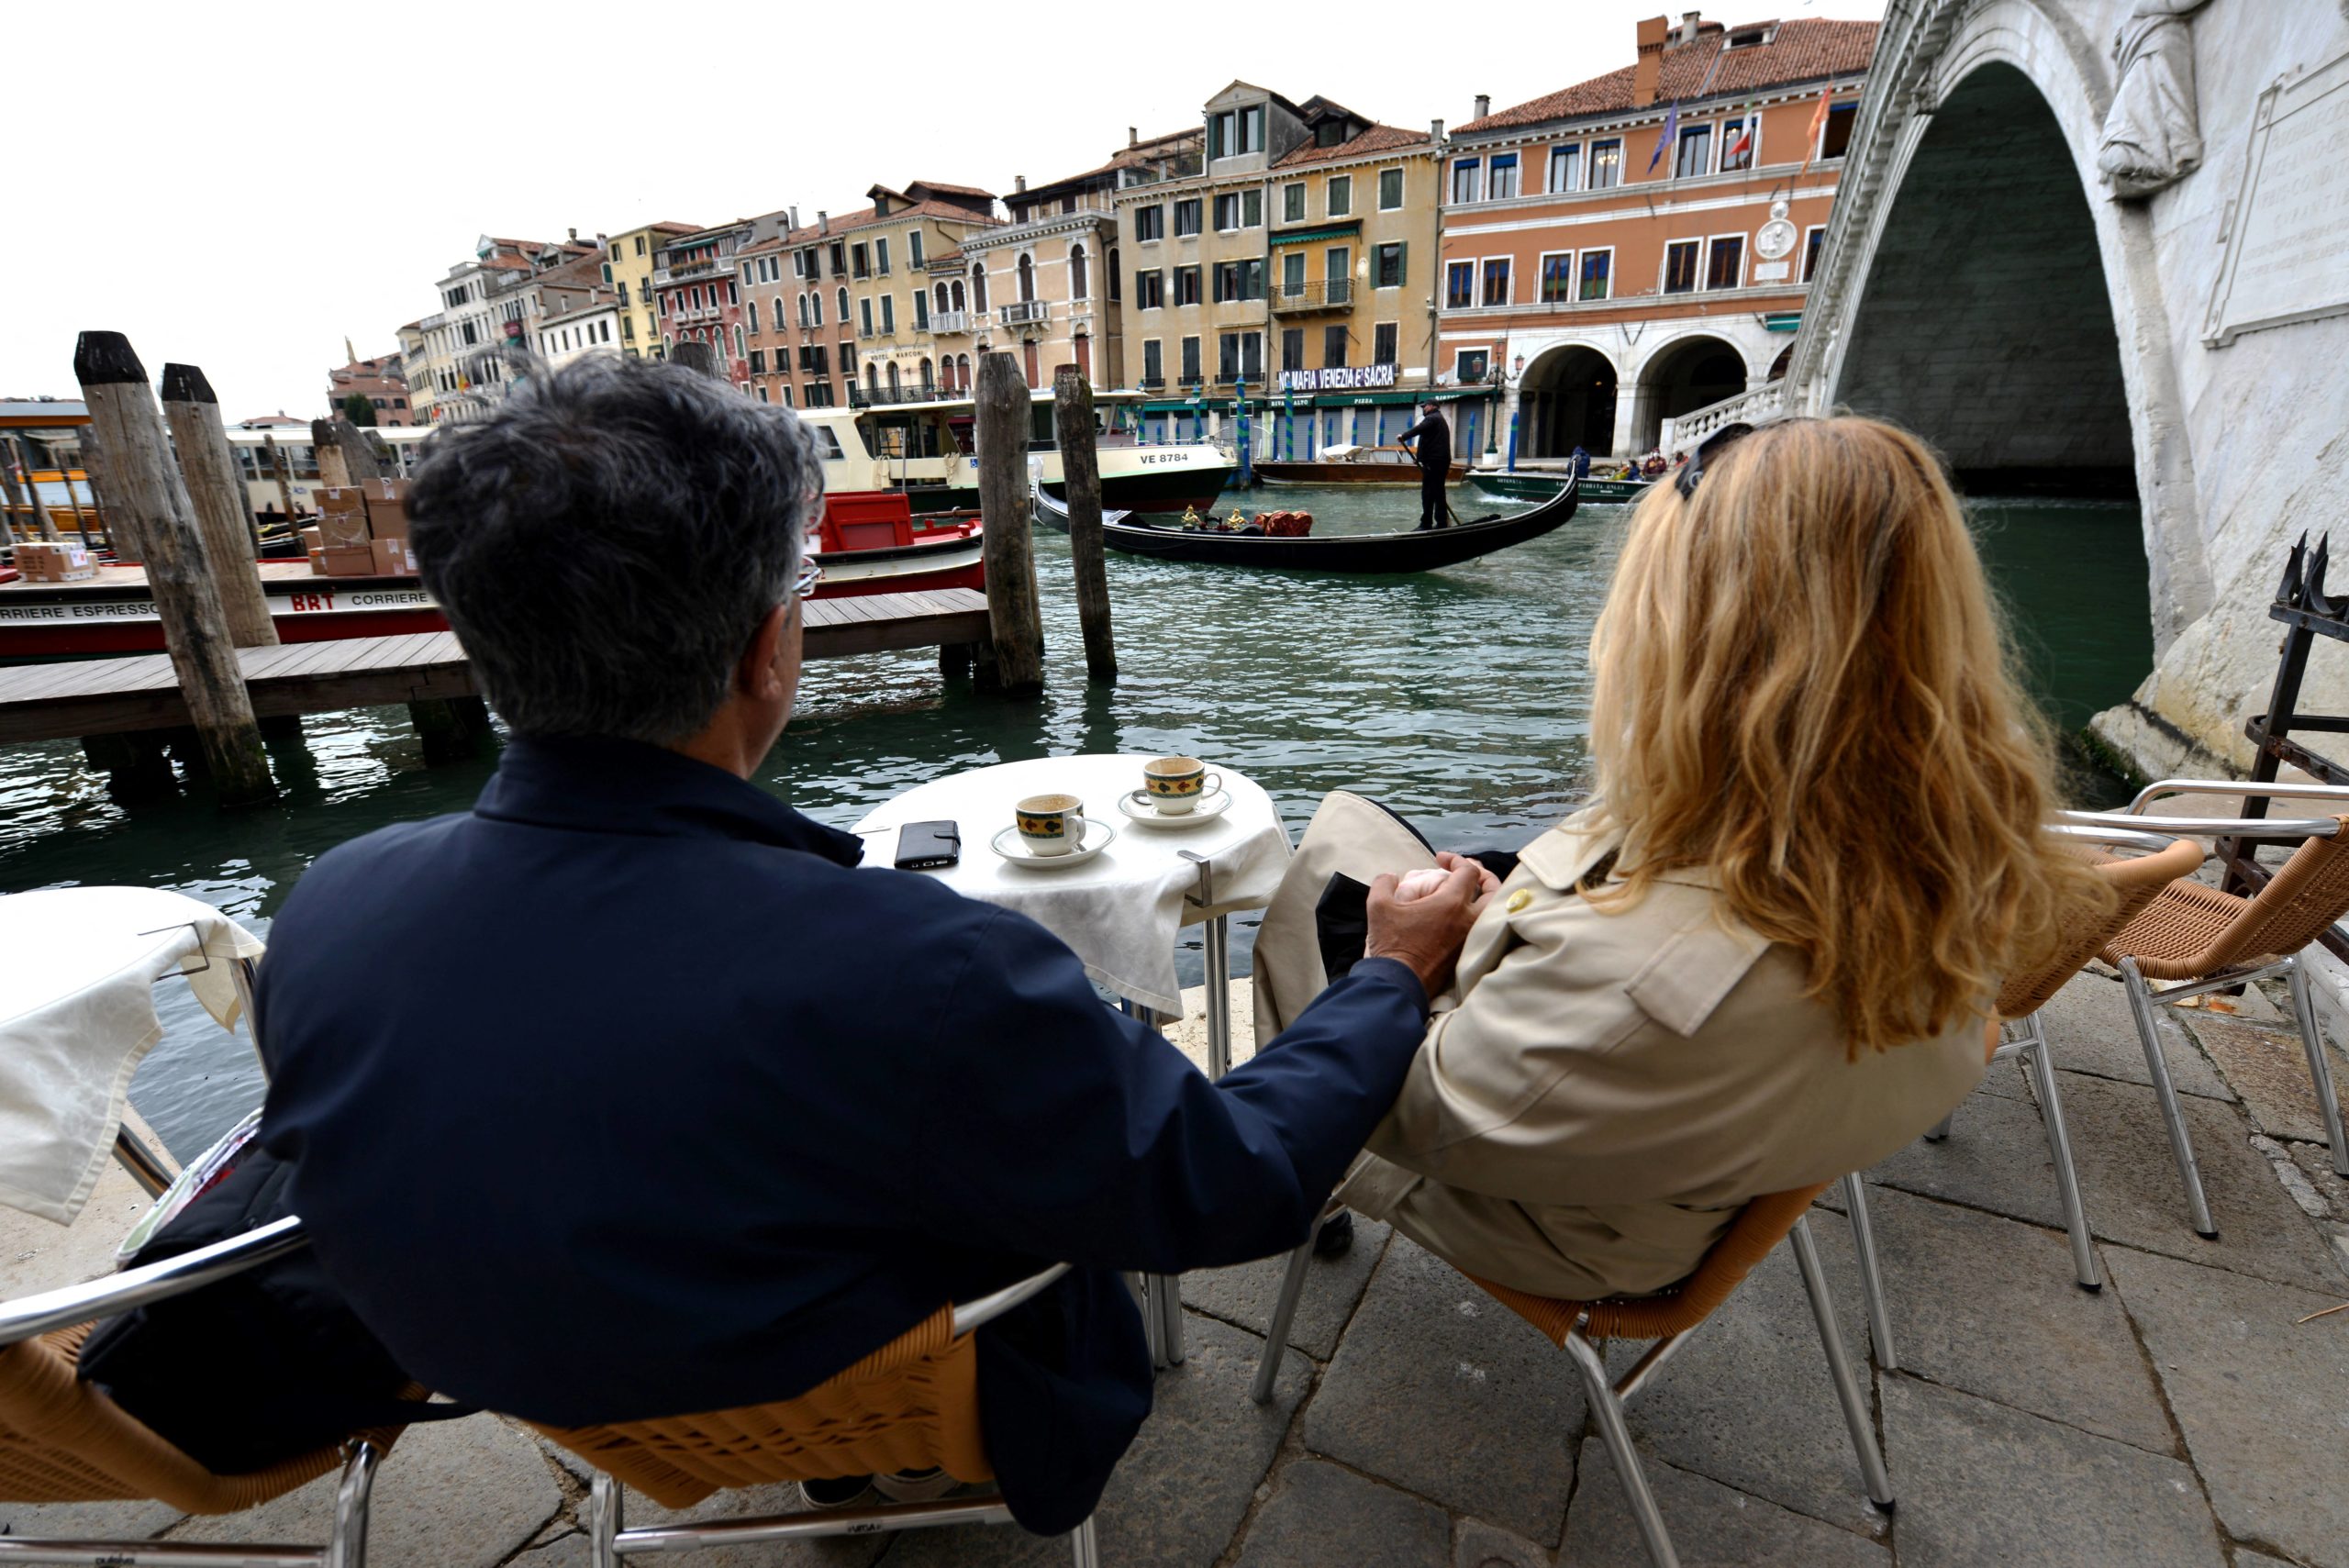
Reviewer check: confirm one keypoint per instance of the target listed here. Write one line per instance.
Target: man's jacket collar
(628, 786)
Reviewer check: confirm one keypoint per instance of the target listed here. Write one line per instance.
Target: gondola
(1410, 550)
(1528, 486)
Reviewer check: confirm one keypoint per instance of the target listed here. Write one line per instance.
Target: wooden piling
(35, 518)
(149, 505)
(344, 457)
(216, 489)
(1001, 429)
(695, 356)
(282, 471)
(1081, 483)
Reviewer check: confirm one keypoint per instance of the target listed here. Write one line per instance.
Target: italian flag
(1745, 142)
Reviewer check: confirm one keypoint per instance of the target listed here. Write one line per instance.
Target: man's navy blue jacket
(624, 1095)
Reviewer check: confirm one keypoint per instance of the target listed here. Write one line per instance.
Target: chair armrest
(2215, 826)
(2241, 788)
(52, 1311)
(970, 1315)
(2110, 828)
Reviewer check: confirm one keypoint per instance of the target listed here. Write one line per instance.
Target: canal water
(1459, 698)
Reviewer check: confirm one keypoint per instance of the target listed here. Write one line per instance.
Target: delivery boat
(1532, 486)
(867, 544)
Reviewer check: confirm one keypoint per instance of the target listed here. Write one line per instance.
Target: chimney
(823, 221)
(1688, 20)
(1019, 183)
(795, 218)
(1484, 105)
(1647, 74)
(1435, 130)
(1133, 137)
(574, 236)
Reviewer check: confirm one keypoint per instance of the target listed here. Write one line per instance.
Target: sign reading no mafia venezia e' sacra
(1339, 378)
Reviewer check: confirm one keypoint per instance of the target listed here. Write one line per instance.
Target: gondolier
(1430, 441)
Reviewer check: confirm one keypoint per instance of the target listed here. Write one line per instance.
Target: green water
(1459, 698)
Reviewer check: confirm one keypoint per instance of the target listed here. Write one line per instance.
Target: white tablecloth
(78, 967)
(1120, 910)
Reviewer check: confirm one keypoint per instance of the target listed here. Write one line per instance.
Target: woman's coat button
(1519, 900)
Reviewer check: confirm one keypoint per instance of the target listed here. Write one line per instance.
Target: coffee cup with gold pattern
(1174, 787)
(1051, 823)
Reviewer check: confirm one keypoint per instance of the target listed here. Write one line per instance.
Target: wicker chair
(2202, 939)
(1578, 1327)
(910, 1404)
(63, 1441)
(2022, 1036)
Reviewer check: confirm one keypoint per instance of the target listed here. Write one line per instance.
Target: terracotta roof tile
(953, 190)
(1803, 50)
(1377, 138)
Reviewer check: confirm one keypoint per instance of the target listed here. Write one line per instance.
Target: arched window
(978, 285)
(1114, 295)
(893, 378)
(740, 350)
(873, 377)
(958, 294)
(963, 371)
(843, 304)
(1026, 279)
(1076, 279)
(939, 304)
(929, 377)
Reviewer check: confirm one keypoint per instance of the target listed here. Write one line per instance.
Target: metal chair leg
(1847, 1388)
(1170, 1309)
(1940, 1129)
(603, 1522)
(2140, 1006)
(1855, 1209)
(347, 1548)
(2059, 1148)
(1083, 1548)
(1268, 1364)
(1153, 1318)
(2320, 1069)
(1618, 1438)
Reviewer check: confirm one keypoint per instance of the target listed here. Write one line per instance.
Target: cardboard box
(386, 507)
(55, 562)
(348, 561)
(393, 558)
(319, 560)
(348, 529)
(334, 498)
(312, 539)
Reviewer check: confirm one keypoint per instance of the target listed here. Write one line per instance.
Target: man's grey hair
(606, 541)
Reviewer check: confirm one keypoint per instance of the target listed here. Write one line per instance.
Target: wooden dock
(103, 696)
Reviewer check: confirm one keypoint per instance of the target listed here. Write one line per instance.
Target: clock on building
(1777, 236)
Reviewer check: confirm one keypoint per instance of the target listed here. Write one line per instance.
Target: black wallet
(926, 846)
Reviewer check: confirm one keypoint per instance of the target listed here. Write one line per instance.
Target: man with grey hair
(628, 1095)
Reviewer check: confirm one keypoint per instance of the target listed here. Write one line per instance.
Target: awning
(1327, 231)
(1783, 321)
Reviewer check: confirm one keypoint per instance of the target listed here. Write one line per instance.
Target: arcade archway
(1681, 377)
(1566, 400)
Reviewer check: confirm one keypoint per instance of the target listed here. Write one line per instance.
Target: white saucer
(1097, 838)
(1212, 805)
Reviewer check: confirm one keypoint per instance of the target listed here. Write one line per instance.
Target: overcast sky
(242, 188)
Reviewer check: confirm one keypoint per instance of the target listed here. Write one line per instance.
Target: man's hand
(1487, 882)
(1425, 933)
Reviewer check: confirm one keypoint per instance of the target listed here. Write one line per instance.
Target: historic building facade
(700, 301)
(1641, 244)
(380, 380)
(485, 305)
(628, 261)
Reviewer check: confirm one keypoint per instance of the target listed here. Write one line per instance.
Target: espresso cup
(1174, 787)
(1051, 823)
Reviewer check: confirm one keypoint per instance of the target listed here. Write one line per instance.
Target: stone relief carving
(2152, 135)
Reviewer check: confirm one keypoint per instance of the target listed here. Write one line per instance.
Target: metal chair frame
(32, 1316)
(2143, 998)
(609, 1543)
(1608, 1394)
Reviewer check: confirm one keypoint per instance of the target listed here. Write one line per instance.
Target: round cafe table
(1119, 911)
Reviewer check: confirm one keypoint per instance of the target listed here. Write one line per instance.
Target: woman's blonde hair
(1804, 689)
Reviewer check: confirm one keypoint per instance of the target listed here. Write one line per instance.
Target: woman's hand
(1487, 882)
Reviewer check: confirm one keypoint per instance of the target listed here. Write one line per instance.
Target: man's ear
(761, 671)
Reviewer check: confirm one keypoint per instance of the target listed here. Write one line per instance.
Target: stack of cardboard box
(55, 562)
(361, 530)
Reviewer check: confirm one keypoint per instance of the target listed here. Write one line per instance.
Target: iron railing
(1026, 312)
(1330, 293)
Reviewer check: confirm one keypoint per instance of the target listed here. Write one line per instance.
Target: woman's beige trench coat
(1598, 1093)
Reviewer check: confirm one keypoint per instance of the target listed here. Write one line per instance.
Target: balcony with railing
(944, 322)
(860, 396)
(1304, 298)
(1026, 313)
(1153, 384)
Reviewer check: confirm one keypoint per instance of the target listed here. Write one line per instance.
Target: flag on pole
(1745, 142)
(1671, 128)
(1818, 128)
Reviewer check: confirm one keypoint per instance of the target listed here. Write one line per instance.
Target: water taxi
(925, 448)
(1532, 486)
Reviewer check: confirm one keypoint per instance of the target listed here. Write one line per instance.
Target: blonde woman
(1764, 959)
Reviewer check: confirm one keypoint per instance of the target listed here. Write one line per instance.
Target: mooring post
(216, 490)
(150, 506)
(696, 357)
(12, 499)
(282, 471)
(1081, 488)
(327, 455)
(344, 456)
(1003, 419)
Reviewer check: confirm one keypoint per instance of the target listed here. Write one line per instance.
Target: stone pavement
(2180, 1416)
